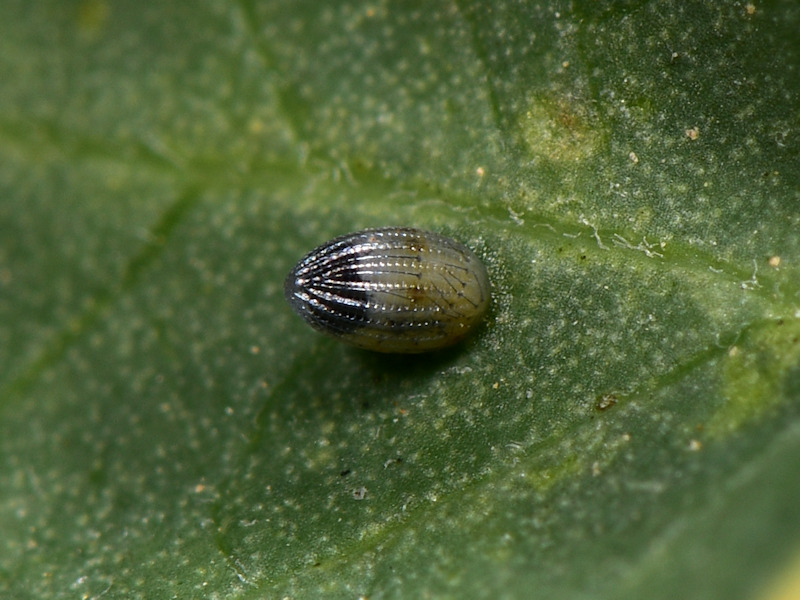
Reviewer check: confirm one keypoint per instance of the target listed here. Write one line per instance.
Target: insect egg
(393, 289)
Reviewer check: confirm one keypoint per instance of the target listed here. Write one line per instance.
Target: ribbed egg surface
(391, 290)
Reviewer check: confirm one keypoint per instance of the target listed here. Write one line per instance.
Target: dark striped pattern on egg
(391, 290)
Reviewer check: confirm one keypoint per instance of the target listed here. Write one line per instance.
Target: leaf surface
(625, 425)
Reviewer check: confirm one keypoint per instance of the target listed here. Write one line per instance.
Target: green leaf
(625, 425)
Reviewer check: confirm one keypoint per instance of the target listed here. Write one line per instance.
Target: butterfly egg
(393, 289)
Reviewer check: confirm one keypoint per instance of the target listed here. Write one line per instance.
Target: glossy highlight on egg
(393, 290)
